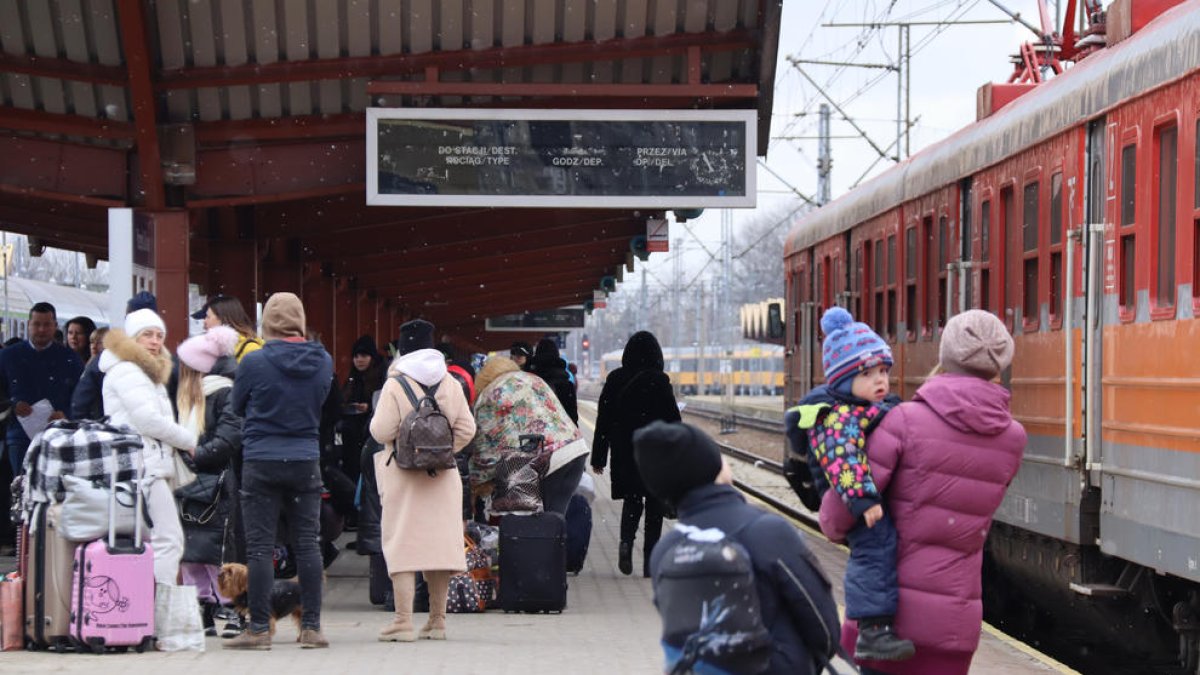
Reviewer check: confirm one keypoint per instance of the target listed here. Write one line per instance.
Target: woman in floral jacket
(512, 403)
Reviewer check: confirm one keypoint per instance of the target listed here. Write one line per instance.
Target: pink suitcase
(112, 592)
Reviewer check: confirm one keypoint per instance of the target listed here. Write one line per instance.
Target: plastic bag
(177, 622)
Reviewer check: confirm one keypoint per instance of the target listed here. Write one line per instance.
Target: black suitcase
(533, 563)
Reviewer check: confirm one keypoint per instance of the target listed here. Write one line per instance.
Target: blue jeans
(872, 585)
(293, 488)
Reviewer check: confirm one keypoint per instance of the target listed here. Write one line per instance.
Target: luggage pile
(86, 574)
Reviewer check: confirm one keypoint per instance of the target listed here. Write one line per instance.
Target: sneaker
(234, 627)
(312, 639)
(329, 553)
(250, 641)
(880, 643)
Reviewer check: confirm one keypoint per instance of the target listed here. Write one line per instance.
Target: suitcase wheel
(146, 643)
(96, 645)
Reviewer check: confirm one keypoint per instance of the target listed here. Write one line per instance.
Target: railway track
(770, 426)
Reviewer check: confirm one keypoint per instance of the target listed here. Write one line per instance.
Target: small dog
(234, 581)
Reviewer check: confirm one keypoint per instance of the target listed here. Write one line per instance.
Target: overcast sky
(949, 64)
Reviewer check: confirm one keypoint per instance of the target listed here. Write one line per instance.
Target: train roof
(1167, 49)
(18, 295)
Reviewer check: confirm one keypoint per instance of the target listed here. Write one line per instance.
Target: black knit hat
(674, 458)
(414, 335)
(365, 344)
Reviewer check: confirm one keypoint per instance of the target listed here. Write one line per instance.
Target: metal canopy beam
(135, 41)
(457, 232)
(42, 122)
(409, 284)
(433, 265)
(62, 69)
(691, 91)
(461, 60)
(572, 275)
(462, 313)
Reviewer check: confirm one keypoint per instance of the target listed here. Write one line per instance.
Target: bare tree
(55, 265)
(758, 254)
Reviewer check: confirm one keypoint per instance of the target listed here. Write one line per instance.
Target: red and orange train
(1072, 213)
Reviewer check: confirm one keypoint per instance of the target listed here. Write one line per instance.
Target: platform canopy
(249, 114)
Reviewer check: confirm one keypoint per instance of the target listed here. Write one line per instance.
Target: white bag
(177, 622)
(587, 487)
(84, 514)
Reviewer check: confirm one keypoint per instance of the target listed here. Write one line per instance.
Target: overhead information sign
(565, 318)
(667, 159)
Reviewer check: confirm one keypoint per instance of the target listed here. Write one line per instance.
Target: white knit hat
(142, 319)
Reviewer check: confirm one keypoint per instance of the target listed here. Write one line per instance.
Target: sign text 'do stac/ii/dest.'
(561, 158)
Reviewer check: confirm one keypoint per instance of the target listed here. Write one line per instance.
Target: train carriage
(1073, 214)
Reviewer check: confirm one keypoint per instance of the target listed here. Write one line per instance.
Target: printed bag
(426, 440)
(464, 595)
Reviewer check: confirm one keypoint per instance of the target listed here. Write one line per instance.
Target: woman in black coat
(634, 395)
(548, 365)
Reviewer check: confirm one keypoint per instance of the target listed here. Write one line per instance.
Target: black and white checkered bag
(81, 448)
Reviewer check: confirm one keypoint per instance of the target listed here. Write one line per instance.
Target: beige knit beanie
(283, 317)
(976, 343)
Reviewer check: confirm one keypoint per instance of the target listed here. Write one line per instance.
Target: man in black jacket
(682, 466)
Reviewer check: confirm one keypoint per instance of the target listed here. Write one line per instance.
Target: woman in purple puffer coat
(943, 462)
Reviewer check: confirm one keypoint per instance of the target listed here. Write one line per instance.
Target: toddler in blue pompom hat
(827, 434)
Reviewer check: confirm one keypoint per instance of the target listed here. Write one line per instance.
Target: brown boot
(439, 587)
(404, 587)
(312, 639)
(249, 640)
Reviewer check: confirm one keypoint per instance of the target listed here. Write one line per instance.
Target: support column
(172, 230)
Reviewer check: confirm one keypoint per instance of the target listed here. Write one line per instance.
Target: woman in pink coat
(943, 462)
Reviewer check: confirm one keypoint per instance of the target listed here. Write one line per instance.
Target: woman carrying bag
(208, 504)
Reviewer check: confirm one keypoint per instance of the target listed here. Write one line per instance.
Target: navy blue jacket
(797, 604)
(88, 400)
(278, 391)
(31, 376)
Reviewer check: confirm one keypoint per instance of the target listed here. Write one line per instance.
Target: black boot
(625, 558)
(878, 642)
(208, 611)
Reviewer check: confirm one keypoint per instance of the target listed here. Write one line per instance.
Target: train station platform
(610, 626)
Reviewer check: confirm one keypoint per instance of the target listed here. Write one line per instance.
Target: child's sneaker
(877, 642)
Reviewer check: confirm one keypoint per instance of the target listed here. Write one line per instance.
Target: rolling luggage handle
(139, 502)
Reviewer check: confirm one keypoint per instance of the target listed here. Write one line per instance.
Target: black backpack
(426, 440)
(705, 593)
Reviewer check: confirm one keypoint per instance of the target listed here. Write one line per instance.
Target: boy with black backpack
(737, 589)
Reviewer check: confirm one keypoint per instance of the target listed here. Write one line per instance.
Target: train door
(1095, 203)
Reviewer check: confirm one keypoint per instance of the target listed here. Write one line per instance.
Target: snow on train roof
(22, 294)
(1167, 49)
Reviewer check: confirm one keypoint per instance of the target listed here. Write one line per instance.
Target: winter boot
(625, 558)
(401, 627)
(439, 587)
(877, 641)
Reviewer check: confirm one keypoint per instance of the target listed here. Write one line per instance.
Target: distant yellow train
(755, 369)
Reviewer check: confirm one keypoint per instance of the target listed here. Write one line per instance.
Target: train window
(880, 317)
(1128, 187)
(891, 259)
(1010, 261)
(1196, 173)
(910, 281)
(985, 254)
(820, 293)
(1167, 146)
(856, 282)
(1128, 258)
(943, 255)
(1195, 261)
(1056, 205)
(928, 277)
(1030, 276)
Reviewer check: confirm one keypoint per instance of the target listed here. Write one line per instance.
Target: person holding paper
(37, 369)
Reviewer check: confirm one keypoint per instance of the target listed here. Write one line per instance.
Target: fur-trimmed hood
(120, 347)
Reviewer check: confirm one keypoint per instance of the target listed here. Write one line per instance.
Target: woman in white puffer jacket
(136, 367)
